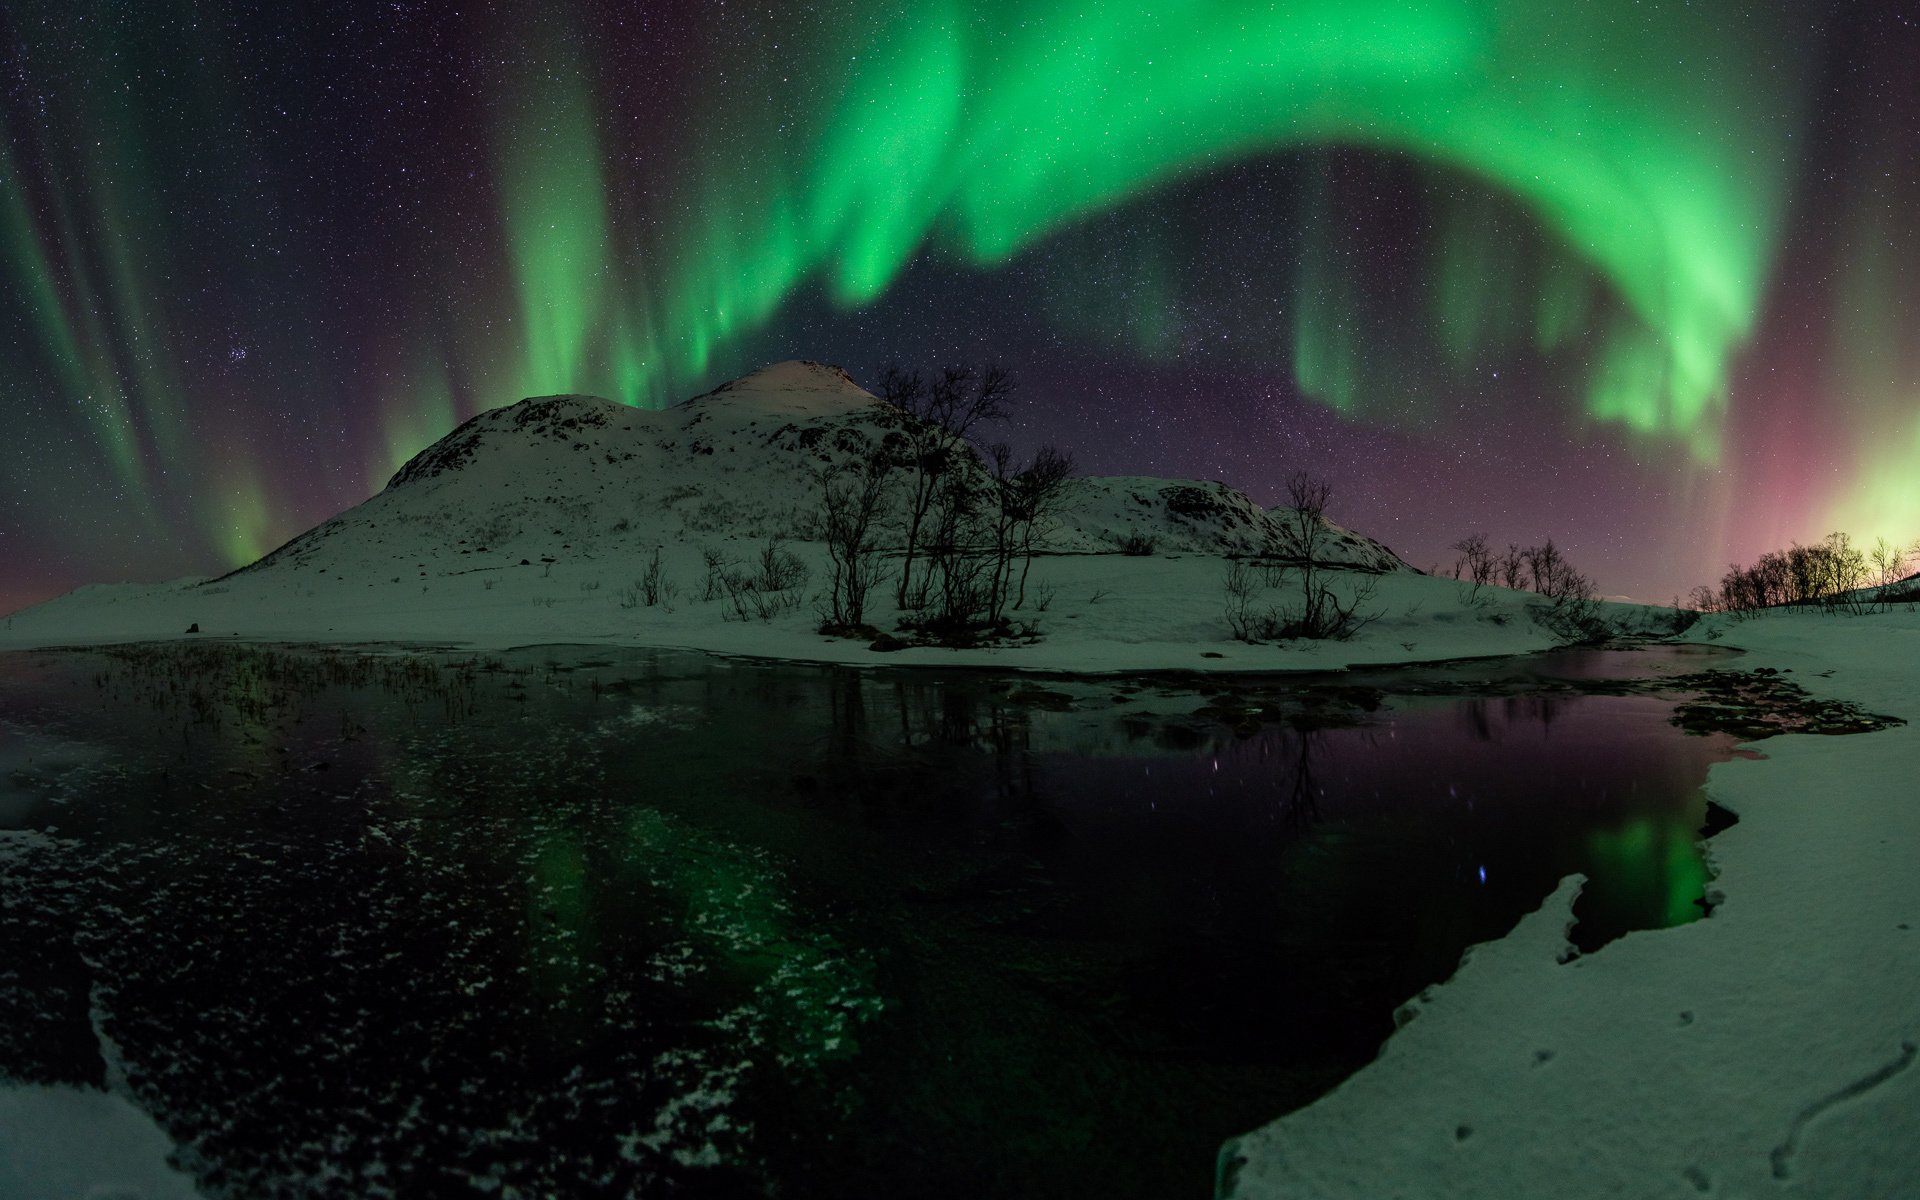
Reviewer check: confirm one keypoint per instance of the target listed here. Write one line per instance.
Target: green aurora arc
(980, 129)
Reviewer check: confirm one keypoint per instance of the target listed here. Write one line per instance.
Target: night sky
(1641, 277)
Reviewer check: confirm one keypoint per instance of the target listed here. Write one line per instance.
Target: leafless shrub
(715, 561)
(1030, 501)
(771, 588)
(779, 568)
(1322, 615)
(849, 519)
(1240, 587)
(1574, 615)
(653, 589)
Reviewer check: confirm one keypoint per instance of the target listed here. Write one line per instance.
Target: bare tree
(942, 414)
(1321, 614)
(654, 587)
(1306, 523)
(1544, 567)
(850, 516)
(1846, 572)
(1889, 565)
(999, 527)
(1023, 501)
(1038, 493)
(1476, 563)
(960, 568)
(1512, 566)
(714, 559)
(1240, 586)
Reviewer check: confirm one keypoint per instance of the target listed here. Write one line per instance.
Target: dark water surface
(593, 923)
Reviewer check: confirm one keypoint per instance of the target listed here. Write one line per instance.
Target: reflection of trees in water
(1302, 806)
(912, 738)
(1486, 718)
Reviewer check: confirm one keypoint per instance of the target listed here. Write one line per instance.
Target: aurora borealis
(1641, 278)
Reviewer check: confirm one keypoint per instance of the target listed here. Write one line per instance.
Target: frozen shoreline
(1769, 1047)
(1108, 613)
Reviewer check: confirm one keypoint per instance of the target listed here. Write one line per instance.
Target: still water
(593, 923)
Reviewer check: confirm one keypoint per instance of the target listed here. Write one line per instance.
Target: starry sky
(1640, 277)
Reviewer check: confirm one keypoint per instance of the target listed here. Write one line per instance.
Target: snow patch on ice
(67, 1143)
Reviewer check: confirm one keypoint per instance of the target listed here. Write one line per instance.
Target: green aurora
(979, 130)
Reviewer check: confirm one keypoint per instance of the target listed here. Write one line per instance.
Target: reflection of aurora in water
(247, 284)
(548, 922)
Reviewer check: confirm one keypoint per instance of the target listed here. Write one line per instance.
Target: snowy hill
(575, 476)
(579, 476)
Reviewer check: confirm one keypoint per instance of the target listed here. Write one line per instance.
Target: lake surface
(599, 923)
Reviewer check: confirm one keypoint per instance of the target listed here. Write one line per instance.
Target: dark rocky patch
(1758, 704)
(1039, 697)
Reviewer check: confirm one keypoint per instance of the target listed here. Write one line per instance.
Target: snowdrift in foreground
(1769, 1050)
(66, 1143)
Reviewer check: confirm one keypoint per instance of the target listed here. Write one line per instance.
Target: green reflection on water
(1652, 865)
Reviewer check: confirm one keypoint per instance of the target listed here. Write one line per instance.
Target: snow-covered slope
(1184, 515)
(574, 476)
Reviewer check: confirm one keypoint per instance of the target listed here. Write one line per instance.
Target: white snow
(1769, 1050)
(67, 1143)
(1107, 612)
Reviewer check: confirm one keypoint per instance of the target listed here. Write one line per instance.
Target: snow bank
(1768, 1050)
(66, 1143)
(1093, 613)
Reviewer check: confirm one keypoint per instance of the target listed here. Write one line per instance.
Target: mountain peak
(796, 375)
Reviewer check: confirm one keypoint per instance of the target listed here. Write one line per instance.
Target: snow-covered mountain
(1195, 516)
(572, 477)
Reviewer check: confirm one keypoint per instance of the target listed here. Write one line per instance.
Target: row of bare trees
(1543, 569)
(1573, 616)
(968, 520)
(1833, 573)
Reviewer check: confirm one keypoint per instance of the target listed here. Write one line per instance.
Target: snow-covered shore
(1106, 612)
(1769, 1050)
